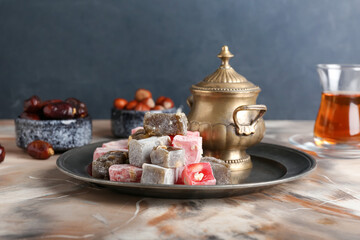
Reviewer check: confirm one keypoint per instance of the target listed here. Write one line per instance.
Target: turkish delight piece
(178, 175)
(101, 151)
(139, 150)
(198, 174)
(154, 174)
(120, 144)
(221, 170)
(192, 146)
(134, 130)
(167, 156)
(139, 134)
(159, 124)
(100, 166)
(125, 173)
(193, 133)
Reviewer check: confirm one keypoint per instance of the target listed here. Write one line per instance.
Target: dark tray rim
(286, 178)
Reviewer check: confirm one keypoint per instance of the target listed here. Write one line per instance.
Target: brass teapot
(223, 109)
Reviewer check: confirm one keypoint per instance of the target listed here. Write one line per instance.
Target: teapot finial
(225, 56)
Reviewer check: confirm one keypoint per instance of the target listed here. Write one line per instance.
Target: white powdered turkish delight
(159, 124)
(221, 170)
(154, 174)
(139, 150)
(167, 156)
(100, 166)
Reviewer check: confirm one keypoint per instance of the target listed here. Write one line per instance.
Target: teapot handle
(248, 129)
(190, 101)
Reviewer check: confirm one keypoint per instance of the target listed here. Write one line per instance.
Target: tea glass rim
(355, 67)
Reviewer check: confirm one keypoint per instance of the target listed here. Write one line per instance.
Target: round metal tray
(272, 165)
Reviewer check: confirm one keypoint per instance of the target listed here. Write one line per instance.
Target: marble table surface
(37, 201)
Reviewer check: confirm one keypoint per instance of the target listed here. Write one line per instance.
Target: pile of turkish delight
(160, 152)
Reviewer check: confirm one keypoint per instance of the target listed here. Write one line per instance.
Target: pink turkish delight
(125, 173)
(134, 130)
(120, 144)
(193, 133)
(192, 146)
(198, 174)
(101, 151)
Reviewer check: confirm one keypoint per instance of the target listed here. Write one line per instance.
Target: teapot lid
(225, 78)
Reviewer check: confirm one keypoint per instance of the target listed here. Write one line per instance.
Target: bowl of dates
(64, 124)
(127, 115)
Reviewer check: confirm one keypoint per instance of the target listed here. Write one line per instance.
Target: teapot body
(212, 114)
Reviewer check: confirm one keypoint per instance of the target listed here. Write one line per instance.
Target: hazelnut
(131, 105)
(158, 107)
(141, 94)
(120, 103)
(142, 107)
(160, 100)
(149, 102)
(168, 103)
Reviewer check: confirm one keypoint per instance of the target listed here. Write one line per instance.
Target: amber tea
(338, 119)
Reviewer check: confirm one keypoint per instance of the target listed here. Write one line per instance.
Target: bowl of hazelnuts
(63, 124)
(127, 115)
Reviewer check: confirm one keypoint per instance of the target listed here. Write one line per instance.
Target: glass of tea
(338, 121)
(337, 127)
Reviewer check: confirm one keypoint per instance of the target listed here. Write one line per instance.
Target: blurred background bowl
(61, 134)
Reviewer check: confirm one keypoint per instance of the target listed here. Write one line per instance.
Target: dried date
(51, 101)
(80, 107)
(2, 153)
(40, 149)
(33, 104)
(59, 110)
(30, 116)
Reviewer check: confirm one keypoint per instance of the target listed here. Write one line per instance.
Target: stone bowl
(61, 134)
(122, 121)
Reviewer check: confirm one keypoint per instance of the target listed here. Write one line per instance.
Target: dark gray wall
(99, 50)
